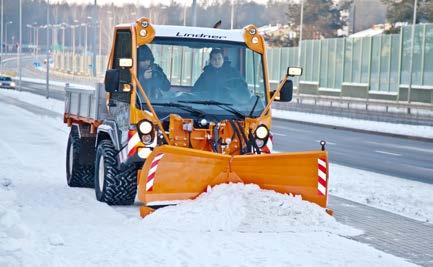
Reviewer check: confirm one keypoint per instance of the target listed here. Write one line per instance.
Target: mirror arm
(149, 105)
(276, 92)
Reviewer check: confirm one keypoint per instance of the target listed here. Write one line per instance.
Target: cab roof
(199, 33)
(236, 35)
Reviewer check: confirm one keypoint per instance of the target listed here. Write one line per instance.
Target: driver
(151, 75)
(216, 76)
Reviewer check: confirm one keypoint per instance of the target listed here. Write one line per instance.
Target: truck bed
(85, 105)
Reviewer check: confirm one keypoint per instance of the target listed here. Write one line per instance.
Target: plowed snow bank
(247, 208)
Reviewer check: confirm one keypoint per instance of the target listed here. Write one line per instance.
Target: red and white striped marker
(267, 149)
(133, 141)
(322, 173)
(152, 172)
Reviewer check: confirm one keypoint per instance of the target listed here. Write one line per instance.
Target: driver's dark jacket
(213, 80)
(157, 83)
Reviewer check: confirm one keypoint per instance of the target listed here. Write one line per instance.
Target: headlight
(13, 84)
(145, 127)
(262, 132)
(143, 32)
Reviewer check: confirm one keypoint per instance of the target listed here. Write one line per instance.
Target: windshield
(5, 79)
(201, 74)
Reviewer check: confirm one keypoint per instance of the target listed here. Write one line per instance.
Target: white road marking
(278, 134)
(426, 150)
(387, 153)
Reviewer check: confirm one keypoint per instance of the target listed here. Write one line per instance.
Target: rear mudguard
(175, 173)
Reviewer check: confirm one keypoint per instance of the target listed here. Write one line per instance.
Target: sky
(142, 2)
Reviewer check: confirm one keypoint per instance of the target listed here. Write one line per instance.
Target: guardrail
(364, 109)
(421, 109)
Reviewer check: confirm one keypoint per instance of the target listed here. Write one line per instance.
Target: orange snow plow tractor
(182, 109)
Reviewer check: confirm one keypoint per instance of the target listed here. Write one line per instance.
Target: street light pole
(194, 13)
(48, 49)
(30, 33)
(20, 46)
(409, 89)
(300, 48)
(232, 14)
(73, 40)
(6, 35)
(63, 38)
(100, 38)
(85, 38)
(95, 11)
(37, 42)
(1, 41)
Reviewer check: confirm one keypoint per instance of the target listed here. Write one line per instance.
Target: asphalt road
(400, 157)
(395, 156)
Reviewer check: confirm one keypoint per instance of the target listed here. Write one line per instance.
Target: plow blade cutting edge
(173, 173)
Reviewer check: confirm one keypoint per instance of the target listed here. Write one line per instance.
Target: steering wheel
(186, 96)
(236, 87)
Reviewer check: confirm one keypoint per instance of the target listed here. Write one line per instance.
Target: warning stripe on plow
(322, 176)
(152, 172)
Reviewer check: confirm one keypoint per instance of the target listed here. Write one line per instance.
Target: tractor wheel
(113, 186)
(77, 174)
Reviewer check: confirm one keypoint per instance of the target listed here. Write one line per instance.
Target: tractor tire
(77, 174)
(113, 186)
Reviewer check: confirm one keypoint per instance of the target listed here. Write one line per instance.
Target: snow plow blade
(173, 173)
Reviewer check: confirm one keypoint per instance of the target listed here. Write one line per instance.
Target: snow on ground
(375, 126)
(39, 101)
(408, 198)
(45, 223)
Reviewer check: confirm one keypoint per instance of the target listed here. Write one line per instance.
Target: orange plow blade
(173, 173)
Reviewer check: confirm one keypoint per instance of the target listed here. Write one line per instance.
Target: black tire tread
(82, 175)
(120, 185)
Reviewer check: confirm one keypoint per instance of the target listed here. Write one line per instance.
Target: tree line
(322, 18)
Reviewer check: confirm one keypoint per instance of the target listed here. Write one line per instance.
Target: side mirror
(117, 80)
(294, 71)
(112, 80)
(286, 92)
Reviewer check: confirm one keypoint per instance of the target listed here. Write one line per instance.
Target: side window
(122, 49)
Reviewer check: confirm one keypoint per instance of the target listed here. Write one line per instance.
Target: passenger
(218, 77)
(151, 75)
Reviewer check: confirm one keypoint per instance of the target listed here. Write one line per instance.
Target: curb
(410, 137)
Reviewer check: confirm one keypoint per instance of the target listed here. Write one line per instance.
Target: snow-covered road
(45, 223)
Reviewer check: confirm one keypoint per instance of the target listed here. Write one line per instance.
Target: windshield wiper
(180, 106)
(226, 106)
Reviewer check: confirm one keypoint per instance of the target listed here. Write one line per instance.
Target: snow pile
(408, 198)
(247, 209)
(37, 100)
(375, 126)
(13, 234)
